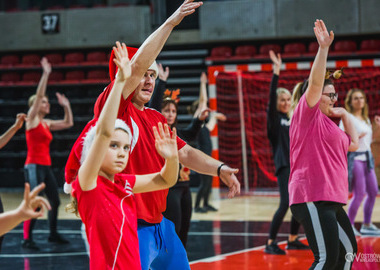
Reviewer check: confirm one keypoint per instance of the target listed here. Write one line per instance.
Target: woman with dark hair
(278, 134)
(38, 162)
(318, 186)
(361, 171)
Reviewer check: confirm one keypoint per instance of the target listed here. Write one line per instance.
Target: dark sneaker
(200, 210)
(296, 244)
(210, 208)
(274, 249)
(29, 244)
(57, 238)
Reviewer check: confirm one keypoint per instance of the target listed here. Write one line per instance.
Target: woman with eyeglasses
(361, 171)
(318, 186)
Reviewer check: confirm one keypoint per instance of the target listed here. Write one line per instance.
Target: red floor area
(368, 258)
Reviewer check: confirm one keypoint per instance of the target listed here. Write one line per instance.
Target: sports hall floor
(232, 238)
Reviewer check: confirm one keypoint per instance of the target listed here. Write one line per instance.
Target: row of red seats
(96, 57)
(74, 76)
(295, 49)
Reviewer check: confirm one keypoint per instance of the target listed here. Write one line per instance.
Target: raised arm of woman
(317, 75)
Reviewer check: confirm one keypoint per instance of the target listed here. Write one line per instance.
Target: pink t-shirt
(109, 214)
(318, 157)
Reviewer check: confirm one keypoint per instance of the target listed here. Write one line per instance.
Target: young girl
(105, 199)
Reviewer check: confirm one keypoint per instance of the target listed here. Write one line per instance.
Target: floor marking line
(223, 256)
(43, 255)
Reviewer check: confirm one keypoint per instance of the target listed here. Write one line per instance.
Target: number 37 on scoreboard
(50, 23)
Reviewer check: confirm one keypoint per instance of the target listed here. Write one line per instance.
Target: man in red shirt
(160, 247)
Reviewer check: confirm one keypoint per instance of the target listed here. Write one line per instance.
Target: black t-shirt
(278, 129)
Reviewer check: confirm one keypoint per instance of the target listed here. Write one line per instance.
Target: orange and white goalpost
(241, 92)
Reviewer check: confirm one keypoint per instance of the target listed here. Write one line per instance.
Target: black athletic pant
(178, 210)
(282, 180)
(1, 211)
(34, 175)
(204, 190)
(329, 233)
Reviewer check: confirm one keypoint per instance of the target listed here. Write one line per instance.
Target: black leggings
(282, 180)
(34, 175)
(1, 211)
(204, 190)
(329, 233)
(178, 210)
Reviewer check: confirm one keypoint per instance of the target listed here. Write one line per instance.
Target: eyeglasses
(331, 95)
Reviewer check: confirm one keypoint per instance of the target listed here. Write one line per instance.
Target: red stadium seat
(54, 58)
(97, 75)
(244, 52)
(74, 58)
(264, 50)
(10, 60)
(55, 76)
(344, 47)
(74, 76)
(31, 77)
(31, 60)
(312, 49)
(96, 57)
(295, 49)
(10, 77)
(369, 46)
(220, 53)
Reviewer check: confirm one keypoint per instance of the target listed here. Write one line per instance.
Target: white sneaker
(369, 230)
(356, 232)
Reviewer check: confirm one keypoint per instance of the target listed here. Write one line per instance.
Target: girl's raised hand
(166, 145)
(122, 61)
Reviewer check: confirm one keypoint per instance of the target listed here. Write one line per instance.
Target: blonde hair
(348, 100)
(282, 90)
(72, 207)
(296, 96)
(31, 100)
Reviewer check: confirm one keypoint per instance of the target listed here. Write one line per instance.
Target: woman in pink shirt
(318, 186)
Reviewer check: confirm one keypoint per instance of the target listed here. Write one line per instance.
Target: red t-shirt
(38, 143)
(143, 158)
(109, 214)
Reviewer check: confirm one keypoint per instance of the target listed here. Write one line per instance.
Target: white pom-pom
(67, 188)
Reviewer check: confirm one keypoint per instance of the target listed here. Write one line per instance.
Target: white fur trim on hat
(154, 67)
(90, 135)
(67, 188)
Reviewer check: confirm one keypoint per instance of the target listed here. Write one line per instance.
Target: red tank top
(38, 143)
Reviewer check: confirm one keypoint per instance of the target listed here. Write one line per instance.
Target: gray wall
(79, 28)
(259, 19)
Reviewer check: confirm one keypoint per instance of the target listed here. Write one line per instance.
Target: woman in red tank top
(38, 162)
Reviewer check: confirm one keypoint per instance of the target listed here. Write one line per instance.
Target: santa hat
(81, 147)
(131, 52)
